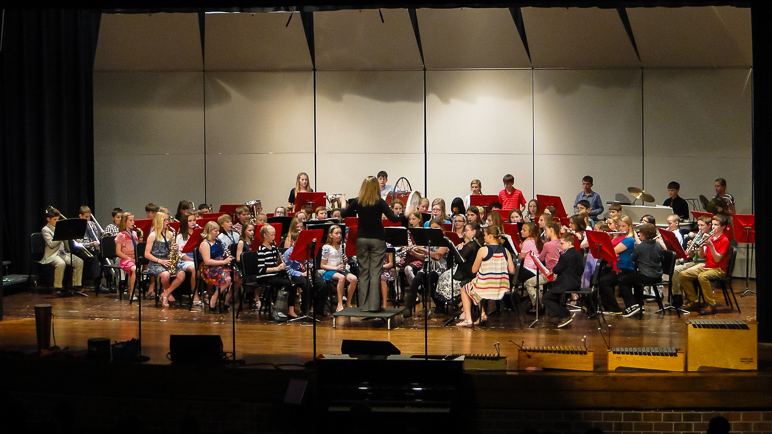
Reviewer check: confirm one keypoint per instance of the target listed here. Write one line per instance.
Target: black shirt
(679, 206)
(370, 224)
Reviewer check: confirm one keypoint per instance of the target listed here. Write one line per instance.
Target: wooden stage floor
(261, 341)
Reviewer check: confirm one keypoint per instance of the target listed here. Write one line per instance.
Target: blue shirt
(596, 204)
(626, 257)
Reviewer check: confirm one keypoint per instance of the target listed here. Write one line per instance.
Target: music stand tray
(396, 236)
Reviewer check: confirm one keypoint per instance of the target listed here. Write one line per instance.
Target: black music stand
(427, 237)
(397, 237)
(744, 228)
(285, 223)
(601, 248)
(459, 260)
(306, 248)
(69, 230)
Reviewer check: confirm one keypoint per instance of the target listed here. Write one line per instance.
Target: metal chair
(725, 283)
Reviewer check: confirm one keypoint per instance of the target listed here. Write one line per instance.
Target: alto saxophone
(174, 255)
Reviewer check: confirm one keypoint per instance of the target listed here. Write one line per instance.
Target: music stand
(453, 238)
(672, 244)
(540, 269)
(744, 229)
(483, 200)
(212, 215)
(555, 201)
(427, 237)
(144, 225)
(425, 217)
(513, 230)
(284, 223)
(69, 230)
(230, 208)
(258, 240)
(698, 214)
(306, 248)
(317, 199)
(601, 248)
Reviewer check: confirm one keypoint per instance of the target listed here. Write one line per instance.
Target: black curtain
(46, 68)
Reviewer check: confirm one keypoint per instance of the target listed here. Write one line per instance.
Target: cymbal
(640, 194)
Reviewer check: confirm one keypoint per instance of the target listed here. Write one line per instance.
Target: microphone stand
(747, 261)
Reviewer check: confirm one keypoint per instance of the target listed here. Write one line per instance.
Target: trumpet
(701, 239)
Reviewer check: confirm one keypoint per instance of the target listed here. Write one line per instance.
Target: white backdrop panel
(587, 112)
(256, 112)
(268, 177)
(148, 113)
(370, 112)
(449, 175)
(561, 175)
(131, 181)
(344, 172)
(693, 112)
(479, 111)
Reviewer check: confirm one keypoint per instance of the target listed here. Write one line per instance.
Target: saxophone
(174, 255)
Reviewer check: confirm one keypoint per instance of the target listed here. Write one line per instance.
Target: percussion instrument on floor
(655, 358)
(716, 343)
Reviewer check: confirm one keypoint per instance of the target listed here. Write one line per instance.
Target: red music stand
(453, 237)
(175, 226)
(671, 242)
(483, 200)
(697, 214)
(547, 200)
(317, 199)
(564, 221)
(388, 223)
(305, 237)
(504, 213)
(193, 240)
(512, 229)
(447, 227)
(600, 246)
(229, 208)
(351, 241)
(203, 221)
(577, 243)
(258, 239)
(214, 215)
(744, 229)
(145, 225)
(351, 221)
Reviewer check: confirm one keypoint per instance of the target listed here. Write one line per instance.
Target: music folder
(283, 221)
(316, 198)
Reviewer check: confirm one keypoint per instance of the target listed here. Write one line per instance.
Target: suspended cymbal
(640, 194)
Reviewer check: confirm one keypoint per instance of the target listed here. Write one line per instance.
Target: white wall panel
(256, 42)
(359, 40)
(587, 112)
(471, 38)
(370, 112)
(148, 113)
(132, 181)
(479, 112)
(149, 42)
(243, 177)
(258, 112)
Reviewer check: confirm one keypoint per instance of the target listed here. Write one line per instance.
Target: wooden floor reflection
(259, 340)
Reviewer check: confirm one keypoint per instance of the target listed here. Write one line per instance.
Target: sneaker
(612, 312)
(566, 321)
(631, 310)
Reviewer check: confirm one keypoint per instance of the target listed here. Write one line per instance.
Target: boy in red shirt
(510, 197)
(715, 251)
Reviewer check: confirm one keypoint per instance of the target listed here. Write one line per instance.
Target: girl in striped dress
(493, 266)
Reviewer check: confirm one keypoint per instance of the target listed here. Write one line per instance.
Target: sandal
(165, 301)
(467, 324)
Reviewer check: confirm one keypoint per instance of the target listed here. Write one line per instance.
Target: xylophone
(716, 343)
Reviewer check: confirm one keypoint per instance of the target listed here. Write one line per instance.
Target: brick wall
(655, 421)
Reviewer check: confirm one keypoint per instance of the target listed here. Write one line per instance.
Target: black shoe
(632, 310)
(566, 321)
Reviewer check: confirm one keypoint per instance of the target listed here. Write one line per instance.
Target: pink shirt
(127, 247)
(511, 200)
(550, 254)
(529, 246)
